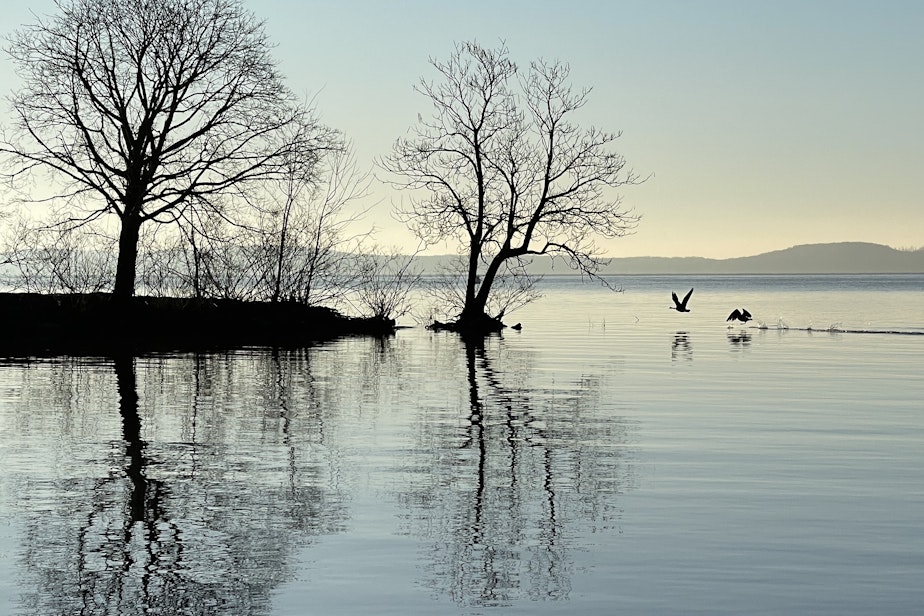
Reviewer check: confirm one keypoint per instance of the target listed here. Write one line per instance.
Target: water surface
(613, 456)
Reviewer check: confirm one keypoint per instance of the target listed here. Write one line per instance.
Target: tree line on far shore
(180, 164)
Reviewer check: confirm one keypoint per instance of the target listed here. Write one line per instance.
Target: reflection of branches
(175, 514)
(531, 464)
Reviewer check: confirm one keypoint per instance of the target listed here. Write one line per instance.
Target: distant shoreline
(816, 259)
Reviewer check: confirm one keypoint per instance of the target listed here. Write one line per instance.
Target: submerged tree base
(482, 325)
(37, 324)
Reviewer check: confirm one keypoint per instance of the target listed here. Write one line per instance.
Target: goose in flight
(681, 306)
(739, 315)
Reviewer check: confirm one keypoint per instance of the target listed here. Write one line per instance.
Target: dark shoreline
(100, 324)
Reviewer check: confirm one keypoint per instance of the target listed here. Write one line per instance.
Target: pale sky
(763, 124)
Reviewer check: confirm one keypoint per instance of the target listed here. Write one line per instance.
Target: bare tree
(504, 170)
(305, 233)
(387, 278)
(55, 259)
(289, 238)
(160, 262)
(137, 108)
(513, 288)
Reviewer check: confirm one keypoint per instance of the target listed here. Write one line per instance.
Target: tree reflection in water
(187, 484)
(199, 525)
(530, 468)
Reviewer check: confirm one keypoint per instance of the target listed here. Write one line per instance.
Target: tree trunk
(277, 286)
(280, 255)
(472, 279)
(128, 255)
(197, 260)
(474, 319)
(475, 302)
(488, 280)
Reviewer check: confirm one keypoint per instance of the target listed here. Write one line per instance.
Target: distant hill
(837, 258)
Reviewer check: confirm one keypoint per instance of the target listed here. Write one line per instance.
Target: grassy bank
(98, 323)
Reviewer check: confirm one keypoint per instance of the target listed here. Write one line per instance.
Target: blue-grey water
(614, 456)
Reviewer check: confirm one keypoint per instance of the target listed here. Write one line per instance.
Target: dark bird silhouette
(681, 306)
(739, 315)
(517, 327)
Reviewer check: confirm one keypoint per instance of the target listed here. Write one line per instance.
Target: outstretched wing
(676, 301)
(686, 297)
(745, 313)
(735, 315)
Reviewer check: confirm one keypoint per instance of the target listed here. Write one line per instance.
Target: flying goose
(681, 306)
(739, 315)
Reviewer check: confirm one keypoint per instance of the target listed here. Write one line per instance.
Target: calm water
(612, 457)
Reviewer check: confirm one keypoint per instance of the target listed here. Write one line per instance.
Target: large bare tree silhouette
(502, 167)
(140, 110)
